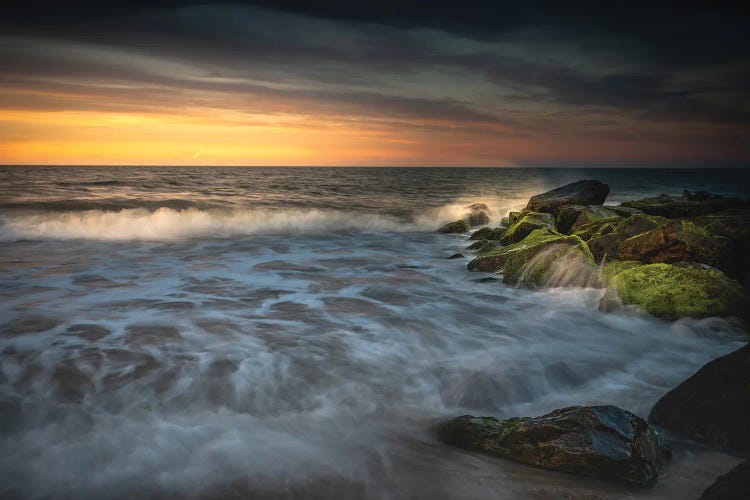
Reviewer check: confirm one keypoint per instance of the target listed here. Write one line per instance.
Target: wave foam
(168, 223)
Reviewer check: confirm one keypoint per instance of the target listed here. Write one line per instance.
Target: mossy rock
(488, 247)
(607, 243)
(525, 225)
(713, 405)
(673, 291)
(596, 441)
(674, 207)
(733, 224)
(677, 241)
(514, 217)
(456, 227)
(598, 227)
(543, 258)
(487, 233)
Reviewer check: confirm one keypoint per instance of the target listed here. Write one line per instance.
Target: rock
(672, 291)
(572, 217)
(677, 241)
(544, 258)
(733, 224)
(674, 207)
(624, 211)
(479, 207)
(477, 245)
(596, 441)
(489, 246)
(525, 225)
(588, 192)
(598, 227)
(478, 218)
(514, 217)
(734, 485)
(459, 226)
(608, 244)
(456, 256)
(487, 233)
(567, 216)
(713, 405)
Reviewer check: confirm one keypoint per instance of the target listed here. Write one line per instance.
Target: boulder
(479, 207)
(734, 485)
(588, 192)
(608, 243)
(567, 216)
(677, 241)
(713, 405)
(598, 227)
(674, 206)
(525, 225)
(514, 217)
(593, 214)
(624, 211)
(459, 226)
(597, 441)
(672, 291)
(543, 258)
(477, 245)
(733, 224)
(478, 218)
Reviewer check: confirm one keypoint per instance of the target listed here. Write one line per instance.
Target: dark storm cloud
(522, 65)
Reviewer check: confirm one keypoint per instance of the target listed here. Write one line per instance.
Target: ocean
(297, 332)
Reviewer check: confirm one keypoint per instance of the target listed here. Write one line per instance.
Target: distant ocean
(276, 331)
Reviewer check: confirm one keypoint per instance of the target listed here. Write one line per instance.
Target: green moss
(614, 267)
(487, 233)
(459, 226)
(488, 247)
(525, 225)
(672, 291)
(593, 228)
(543, 258)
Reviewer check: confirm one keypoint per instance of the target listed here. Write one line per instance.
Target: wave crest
(168, 223)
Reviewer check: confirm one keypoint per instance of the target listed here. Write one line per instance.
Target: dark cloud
(476, 63)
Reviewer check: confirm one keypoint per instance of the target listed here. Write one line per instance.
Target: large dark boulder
(571, 217)
(588, 192)
(597, 441)
(734, 485)
(712, 406)
(678, 241)
(675, 206)
(733, 224)
(544, 258)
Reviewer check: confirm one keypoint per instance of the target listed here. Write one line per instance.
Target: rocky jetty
(712, 406)
(597, 441)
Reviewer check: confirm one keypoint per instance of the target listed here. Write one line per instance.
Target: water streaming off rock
(274, 332)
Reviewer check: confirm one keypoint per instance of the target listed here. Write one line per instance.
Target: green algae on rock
(677, 241)
(488, 233)
(598, 227)
(525, 225)
(456, 227)
(544, 258)
(596, 441)
(713, 405)
(673, 291)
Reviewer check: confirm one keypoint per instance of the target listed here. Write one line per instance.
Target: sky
(470, 83)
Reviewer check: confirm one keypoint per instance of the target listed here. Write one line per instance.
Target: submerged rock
(525, 225)
(677, 241)
(673, 206)
(672, 291)
(459, 226)
(597, 441)
(588, 192)
(456, 256)
(734, 485)
(712, 406)
(608, 244)
(544, 258)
